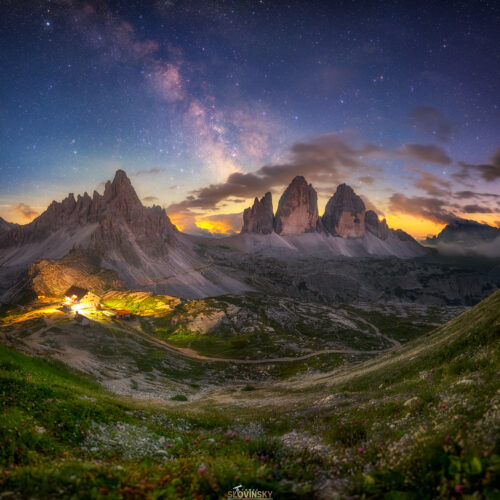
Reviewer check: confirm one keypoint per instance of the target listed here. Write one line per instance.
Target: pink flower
(381, 443)
(247, 439)
(201, 470)
(262, 458)
(361, 450)
(234, 434)
(228, 434)
(443, 406)
(222, 440)
(459, 488)
(195, 441)
(169, 445)
(447, 438)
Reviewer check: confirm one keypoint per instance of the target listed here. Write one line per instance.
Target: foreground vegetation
(422, 421)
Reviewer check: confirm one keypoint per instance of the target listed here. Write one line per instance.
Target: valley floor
(419, 420)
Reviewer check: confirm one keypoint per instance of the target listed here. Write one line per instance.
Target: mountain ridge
(345, 216)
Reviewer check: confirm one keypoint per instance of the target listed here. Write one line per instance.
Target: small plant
(349, 433)
(248, 388)
(179, 397)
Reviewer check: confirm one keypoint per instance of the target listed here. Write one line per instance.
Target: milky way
(209, 104)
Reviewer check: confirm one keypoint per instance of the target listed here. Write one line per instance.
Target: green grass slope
(422, 421)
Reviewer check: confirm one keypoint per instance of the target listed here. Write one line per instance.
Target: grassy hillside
(422, 421)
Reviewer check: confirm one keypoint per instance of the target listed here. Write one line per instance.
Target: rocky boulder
(297, 209)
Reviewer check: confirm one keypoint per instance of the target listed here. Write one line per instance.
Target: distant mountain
(466, 232)
(346, 228)
(139, 243)
(467, 237)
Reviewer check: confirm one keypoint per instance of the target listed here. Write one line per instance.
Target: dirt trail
(378, 333)
(190, 353)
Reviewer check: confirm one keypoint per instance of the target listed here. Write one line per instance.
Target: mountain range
(139, 243)
(145, 250)
(345, 229)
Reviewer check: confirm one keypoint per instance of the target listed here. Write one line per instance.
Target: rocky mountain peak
(297, 209)
(120, 187)
(376, 227)
(345, 213)
(259, 218)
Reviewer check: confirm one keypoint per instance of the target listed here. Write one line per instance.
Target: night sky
(208, 104)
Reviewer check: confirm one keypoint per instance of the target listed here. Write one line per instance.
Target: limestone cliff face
(345, 214)
(297, 209)
(376, 227)
(260, 217)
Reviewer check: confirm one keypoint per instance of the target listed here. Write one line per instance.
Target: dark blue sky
(181, 94)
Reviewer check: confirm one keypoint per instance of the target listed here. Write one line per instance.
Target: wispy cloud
(433, 209)
(149, 171)
(432, 184)
(431, 122)
(427, 153)
(326, 160)
(25, 211)
(489, 172)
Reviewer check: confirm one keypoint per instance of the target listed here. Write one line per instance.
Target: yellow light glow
(215, 226)
(419, 228)
(76, 307)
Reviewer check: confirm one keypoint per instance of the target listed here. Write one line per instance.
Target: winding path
(190, 353)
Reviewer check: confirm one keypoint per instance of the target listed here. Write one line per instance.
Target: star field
(399, 99)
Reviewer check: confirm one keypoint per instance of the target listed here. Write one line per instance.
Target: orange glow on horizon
(214, 226)
(418, 228)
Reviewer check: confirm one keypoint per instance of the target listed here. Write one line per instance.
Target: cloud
(427, 153)
(430, 183)
(489, 172)
(366, 179)
(474, 194)
(431, 122)
(477, 209)
(25, 211)
(433, 209)
(149, 171)
(489, 249)
(149, 199)
(218, 225)
(370, 206)
(221, 224)
(327, 159)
